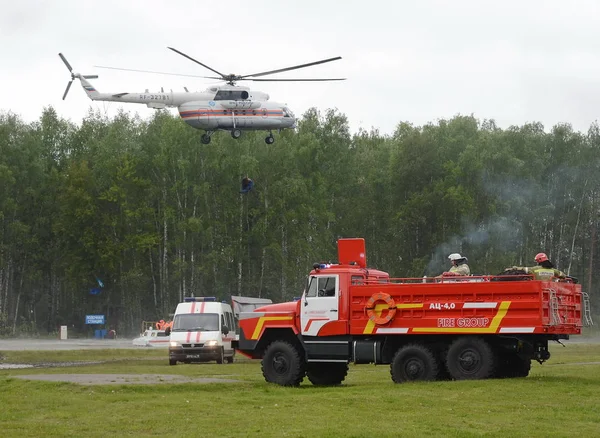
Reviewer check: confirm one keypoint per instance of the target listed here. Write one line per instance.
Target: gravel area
(122, 379)
(90, 379)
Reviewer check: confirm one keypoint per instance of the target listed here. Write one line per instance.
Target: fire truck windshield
(206, 322)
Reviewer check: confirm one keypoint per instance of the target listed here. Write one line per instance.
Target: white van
(202, 331)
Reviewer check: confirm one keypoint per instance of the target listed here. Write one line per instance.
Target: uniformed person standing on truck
(545, 270)
(459, 266)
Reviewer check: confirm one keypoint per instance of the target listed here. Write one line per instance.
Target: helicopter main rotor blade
(155, 72)
(291, 68)
(197, 62)
(67, 90)
(65, 61)
(90, 76)
(294, 80)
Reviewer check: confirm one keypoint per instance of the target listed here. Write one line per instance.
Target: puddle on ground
(14, 366)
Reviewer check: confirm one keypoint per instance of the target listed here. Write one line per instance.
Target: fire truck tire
(326, 373)
(440, 356)
(172, 362)
(370, 306)
(470, 358)
(412, 363)
(221, 357)
(230, 358)
(513, 365)
(282, 364)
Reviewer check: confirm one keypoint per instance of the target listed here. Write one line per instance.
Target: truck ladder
(587, 313)
(554, 316)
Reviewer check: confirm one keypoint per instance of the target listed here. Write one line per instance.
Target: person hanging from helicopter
(247, 185)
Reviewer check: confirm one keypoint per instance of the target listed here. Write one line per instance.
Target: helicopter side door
(204, 117)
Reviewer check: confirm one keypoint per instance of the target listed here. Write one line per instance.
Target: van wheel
(230, 358)
(172, 362)
(220, 358)
(470, 358)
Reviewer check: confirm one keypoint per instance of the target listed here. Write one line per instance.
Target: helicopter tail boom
(89, 89)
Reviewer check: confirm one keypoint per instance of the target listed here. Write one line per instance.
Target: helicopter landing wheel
(236, 133)
(270, 139)
(205, 139)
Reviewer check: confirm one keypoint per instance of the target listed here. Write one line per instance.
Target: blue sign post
(94, 319)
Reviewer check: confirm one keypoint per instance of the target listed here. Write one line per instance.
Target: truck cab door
(320, 303)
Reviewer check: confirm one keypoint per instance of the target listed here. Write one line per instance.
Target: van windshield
(206, 322)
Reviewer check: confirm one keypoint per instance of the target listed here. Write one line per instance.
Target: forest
(124, 216)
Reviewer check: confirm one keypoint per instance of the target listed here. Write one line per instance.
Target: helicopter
(226, 107)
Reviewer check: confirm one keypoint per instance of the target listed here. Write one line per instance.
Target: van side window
(231, 322)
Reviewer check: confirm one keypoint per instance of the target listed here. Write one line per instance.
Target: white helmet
(455, 256)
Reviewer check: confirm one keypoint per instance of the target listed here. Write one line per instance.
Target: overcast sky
(416, 61)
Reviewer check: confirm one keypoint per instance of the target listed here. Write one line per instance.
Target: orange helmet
(541, 257)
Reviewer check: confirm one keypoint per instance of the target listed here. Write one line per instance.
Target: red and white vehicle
(203, 330)
(152, 338)
(472, 327)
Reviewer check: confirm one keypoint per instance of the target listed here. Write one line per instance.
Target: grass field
(559, 398)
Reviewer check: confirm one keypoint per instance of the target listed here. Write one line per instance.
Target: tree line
(144, 209)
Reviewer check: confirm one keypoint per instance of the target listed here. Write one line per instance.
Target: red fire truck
(473, 327)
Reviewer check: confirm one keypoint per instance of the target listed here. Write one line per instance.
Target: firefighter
(544, 270)
(459, 266)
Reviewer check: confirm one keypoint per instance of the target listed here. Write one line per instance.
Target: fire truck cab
(472, 327)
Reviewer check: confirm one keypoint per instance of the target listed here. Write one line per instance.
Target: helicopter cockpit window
(287, 112)
(230, 95)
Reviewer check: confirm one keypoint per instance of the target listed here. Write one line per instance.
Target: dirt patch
(122, 379)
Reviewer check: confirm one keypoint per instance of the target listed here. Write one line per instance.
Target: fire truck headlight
(174, 344)
(211, 343)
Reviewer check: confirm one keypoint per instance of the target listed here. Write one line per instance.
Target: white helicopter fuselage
(214, 115)
(217, 108)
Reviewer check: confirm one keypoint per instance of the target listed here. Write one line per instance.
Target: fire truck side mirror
(167, 331)
(225, 329)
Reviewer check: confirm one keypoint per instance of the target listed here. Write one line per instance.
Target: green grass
(559, 398)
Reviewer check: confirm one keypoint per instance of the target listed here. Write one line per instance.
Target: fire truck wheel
(324, 373)
(440, 355)
(230, 358)
(282, 364)
(413, 362)
(221, 356)
(470, 358)
(513, 365)
(172, 362)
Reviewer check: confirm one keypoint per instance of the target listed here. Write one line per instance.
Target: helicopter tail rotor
(67, 89)
(73, 75)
